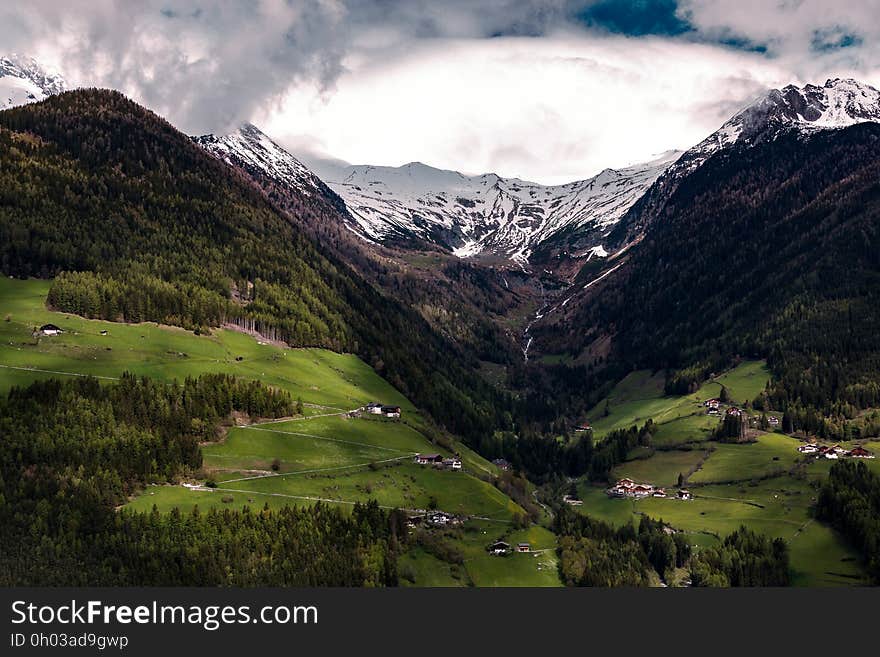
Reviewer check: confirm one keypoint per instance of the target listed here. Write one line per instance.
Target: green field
(772, 454)
(324, 456)
(479, 568)
(313, 444)
(317, 376)
(661, 469)
(639, 397)
(778, 507)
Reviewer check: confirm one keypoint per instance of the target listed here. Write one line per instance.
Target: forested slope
(137, 223)
(768, 251)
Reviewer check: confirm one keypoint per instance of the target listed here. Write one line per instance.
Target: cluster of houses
(375, 408)
(434, 519)
(629, 488)
(714, 408)
(834, 451)
(501, 548)
(438, 461)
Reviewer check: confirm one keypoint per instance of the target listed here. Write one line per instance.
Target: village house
(733, 411)
(833, 452)
(374, 408)
(712, 404)
(583, 427)
(501, 463)
(452, 464)
(426, 459)
(523, 547)
(809, 448)
(390, 411)
(860, 452)
(573, 501)
(774, 421)
(684, 494)
(50, 329)
(499, 547)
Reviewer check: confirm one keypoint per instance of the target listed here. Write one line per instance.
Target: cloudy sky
(547, 90)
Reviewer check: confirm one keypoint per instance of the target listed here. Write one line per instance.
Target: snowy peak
(252, 150)
(485, 214)
(23, 80)
(838, 104)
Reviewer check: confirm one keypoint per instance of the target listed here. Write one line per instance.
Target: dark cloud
(208, 66)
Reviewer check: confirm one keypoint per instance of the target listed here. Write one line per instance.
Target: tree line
(850, 502)
(593, 553)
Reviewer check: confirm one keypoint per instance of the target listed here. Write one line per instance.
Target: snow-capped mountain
(837, 104)
(23, 80)
(253, 151)
(484, 214)
(807, 110)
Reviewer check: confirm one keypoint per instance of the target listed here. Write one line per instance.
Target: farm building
(629, 488)
(452, 464)
(523, 547)
(50, 329)
(573, 501)
(774, 421)
(374, 408)
(499, 547)
(833, 452)
(501, 463)
(390, 411)
(583, 427)
(860, 452)
(712, 404)
(425, 459)
(441, 519)
(684, 494)
(809, 448)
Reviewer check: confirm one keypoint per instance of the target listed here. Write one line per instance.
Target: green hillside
(324, 455)
(766, 484)
(136, 222)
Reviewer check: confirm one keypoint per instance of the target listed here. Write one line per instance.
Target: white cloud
(392, 81)
(553, 109)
